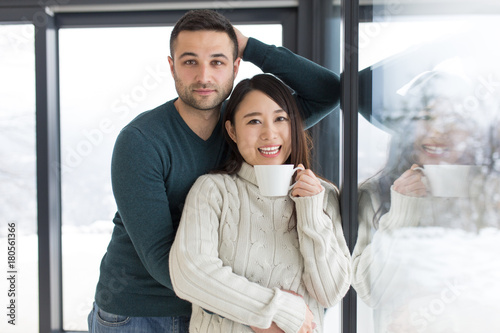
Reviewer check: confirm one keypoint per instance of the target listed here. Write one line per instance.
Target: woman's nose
(443, 126)
(268, 132)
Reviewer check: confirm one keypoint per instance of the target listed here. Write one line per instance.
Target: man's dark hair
(203, 19)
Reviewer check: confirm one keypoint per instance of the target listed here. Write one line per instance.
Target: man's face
(203, 68)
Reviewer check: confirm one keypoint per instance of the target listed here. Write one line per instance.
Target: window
(433, 94)
(107, 77)
(440, 271)
(18, 234)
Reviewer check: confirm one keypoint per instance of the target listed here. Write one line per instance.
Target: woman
(249, 262)
(414, 250)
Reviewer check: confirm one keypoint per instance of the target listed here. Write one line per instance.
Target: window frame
(304, 31)
(48, 150)
(284, 16)
(299, 24)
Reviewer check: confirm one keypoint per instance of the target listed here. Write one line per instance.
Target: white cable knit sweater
(235, 250)
(432, 264)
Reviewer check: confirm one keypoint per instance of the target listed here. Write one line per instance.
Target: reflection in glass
(107, 77)
(425, 259)
(18, 177)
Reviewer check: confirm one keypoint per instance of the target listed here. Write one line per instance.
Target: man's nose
(204, 73)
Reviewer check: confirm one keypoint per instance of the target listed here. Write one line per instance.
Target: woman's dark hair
(282, 95)
(400, 159)
(203, 19)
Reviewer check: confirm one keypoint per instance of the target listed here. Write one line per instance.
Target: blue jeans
(101, 321)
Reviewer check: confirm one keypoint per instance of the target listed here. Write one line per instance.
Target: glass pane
(18, 228)
(327, 134)
(425, 259)
(108, 76)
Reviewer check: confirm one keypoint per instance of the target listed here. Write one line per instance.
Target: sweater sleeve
(406, 211)
(327, 261)
(370, 276)
(143, 206)
(199, 276)
(317, 89)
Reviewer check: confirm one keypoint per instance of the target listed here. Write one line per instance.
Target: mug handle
(293, 171)
(424, 180)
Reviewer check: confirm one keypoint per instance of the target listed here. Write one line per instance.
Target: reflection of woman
(437, 130)
(245, 260)
(398, 268)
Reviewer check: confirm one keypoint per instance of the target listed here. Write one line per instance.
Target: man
(159, 155)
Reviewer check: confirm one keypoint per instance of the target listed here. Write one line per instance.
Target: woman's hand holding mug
(410, 183)
(307, 184)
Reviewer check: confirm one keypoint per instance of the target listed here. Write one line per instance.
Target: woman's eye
(423, 117)
(254, 121)
(281, 119)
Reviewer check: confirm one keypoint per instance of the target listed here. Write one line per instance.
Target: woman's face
(442, 136)
(261, 130)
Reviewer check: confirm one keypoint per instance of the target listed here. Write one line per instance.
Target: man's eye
(190, 62)
(217, 62)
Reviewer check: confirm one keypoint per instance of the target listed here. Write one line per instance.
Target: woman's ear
(230, 130)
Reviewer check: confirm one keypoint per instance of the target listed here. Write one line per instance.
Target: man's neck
(201, 122)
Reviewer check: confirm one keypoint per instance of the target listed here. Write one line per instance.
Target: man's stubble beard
(186, 94)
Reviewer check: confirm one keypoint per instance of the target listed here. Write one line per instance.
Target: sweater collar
(247, 172)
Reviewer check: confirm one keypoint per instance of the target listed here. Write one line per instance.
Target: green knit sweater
(156, 159)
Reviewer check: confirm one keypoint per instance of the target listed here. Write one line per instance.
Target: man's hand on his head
(242, 42)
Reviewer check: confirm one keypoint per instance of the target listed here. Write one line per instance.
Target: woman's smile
(435, 150)
(270, 151)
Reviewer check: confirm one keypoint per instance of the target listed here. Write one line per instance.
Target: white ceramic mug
(274, 180)
(447, 180)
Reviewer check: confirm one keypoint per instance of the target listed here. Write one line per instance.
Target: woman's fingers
(307, 184)
(410, 183)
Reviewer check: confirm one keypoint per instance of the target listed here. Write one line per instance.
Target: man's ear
(171, 64)
(230, 130)
(236, 66)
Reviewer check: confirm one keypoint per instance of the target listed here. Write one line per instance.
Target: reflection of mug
(446, 180)
(274, 180)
